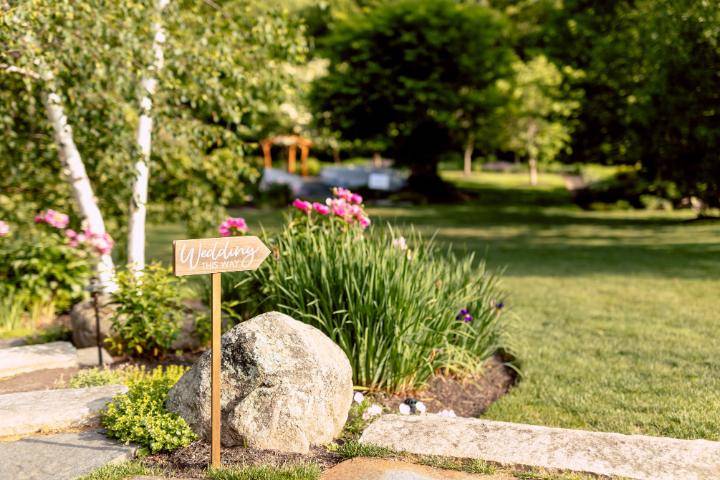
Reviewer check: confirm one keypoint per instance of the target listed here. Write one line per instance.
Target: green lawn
(614, 315)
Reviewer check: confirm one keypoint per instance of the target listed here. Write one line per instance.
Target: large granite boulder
(284, 386)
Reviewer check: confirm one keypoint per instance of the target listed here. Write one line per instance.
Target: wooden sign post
(213, 256)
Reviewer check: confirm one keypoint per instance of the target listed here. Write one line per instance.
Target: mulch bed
(467, 397)
(192, 461)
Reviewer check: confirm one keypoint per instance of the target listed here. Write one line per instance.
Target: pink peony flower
(339, 209)
(99, 243)
(364, 222)
(53, 218)
(302, 205)
(343, 193)
(4, 229)
(320, 208)
(355, 198)
(233, 226)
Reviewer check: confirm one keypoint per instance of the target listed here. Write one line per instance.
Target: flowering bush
(40, 264)
(389, 302)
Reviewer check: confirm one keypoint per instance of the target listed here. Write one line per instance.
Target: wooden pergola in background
(292, 142)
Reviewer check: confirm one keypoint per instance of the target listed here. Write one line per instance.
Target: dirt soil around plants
(467, 397)
(192, 461)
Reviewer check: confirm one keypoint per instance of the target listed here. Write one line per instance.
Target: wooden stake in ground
(213, 256)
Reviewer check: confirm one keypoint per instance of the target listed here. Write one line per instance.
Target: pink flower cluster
(344, 204)
(101, 243)
(53, 218)
(4, 229)
(232, 227)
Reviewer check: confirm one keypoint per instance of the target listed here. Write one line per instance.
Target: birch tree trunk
(74, 169)
(138, 202)
(467, 157)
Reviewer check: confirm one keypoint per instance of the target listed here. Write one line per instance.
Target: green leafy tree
(538, 113)
(404, 75)
(678, 102)
(223, 71)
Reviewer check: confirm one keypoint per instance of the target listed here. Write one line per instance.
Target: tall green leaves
(392, 310)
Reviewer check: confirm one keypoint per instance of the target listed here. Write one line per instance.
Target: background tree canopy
(403, 75)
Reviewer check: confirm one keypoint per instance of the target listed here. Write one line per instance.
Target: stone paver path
(63, 456)
(53, 410)
(633, 456)
(29, 358)
(378, 469)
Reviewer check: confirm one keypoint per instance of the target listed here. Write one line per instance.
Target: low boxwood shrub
(401, 309)
(149, 311)
(139, 416)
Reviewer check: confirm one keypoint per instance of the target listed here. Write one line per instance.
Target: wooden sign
(213, 256)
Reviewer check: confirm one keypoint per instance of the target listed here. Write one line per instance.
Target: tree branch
(20, 71)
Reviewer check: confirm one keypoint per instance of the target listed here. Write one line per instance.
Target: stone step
(379, 469)
(64, 456)
(632, 456)
(29, 358)
(53, 410)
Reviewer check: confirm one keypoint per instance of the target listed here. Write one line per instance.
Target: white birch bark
(138, 202)
(74, 170)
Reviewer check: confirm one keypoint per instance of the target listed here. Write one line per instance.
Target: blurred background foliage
(618, 82)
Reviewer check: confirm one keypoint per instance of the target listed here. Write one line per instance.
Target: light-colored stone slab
(65, 456)
(88, 357)
(632, 456)
(53, 410)
(379, 469)
(29, 358)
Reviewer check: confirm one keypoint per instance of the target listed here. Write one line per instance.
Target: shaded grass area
(614, 315)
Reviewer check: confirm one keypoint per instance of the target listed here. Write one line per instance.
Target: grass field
(615, 316)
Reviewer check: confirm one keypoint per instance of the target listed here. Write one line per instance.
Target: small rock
(29, 358)
(53, 410)
(186, 338)
(82, 321)
(88, 357)
(284, 386)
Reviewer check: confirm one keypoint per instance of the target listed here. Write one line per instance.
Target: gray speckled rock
(82, 321)
(285, 386)
(629, 456)
(29, 358)
(54, 410)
